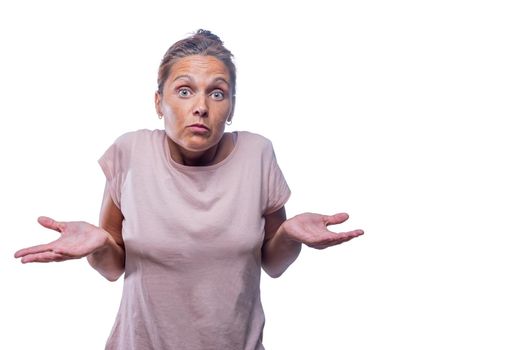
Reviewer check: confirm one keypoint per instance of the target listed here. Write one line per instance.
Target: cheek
(172, 124)
(176, 107)
(174, 115)
(224, 113)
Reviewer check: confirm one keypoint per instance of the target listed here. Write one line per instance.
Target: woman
(190, 214)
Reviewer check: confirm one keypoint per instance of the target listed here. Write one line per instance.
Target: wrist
(106, 241)
(283, 235)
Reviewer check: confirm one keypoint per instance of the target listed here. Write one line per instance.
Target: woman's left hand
(311, 229)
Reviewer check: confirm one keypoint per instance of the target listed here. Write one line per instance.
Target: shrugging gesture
(190, 249)
(77, 240)
(284, 238)
(311, 229)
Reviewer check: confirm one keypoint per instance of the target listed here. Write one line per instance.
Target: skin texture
(284, 238)
(103, 246)
(77, 239)
(195, 103)
(110, 261)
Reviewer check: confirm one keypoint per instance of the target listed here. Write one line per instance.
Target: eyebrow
(222, 80)
(188, 77)
(183, 76)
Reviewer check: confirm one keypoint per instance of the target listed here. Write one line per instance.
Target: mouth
(199, 126)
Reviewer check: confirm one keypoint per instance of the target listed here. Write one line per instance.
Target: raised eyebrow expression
(213, 83)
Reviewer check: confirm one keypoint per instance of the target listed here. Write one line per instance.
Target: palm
(311, 229)
(77, 239)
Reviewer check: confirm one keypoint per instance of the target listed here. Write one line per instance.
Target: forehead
(199, 65)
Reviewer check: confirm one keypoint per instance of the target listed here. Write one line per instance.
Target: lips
(199, 126)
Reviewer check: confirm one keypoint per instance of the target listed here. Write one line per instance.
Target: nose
(200, 109)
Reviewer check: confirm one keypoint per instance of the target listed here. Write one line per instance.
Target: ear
(230, 117)
(158, 104)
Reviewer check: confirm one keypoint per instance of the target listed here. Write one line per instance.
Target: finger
(50, 223)
(345, 236)
(336, 235)
(43, 257)
(34, 250)
(336, 219)
(335, 239)
(352, 234)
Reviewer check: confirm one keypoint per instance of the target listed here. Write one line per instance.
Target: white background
(406, 114)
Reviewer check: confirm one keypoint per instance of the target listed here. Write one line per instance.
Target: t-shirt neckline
(183, 167)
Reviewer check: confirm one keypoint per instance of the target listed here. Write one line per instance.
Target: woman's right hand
(77, 240)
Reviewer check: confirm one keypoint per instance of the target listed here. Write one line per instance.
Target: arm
(278, 251)
(79, 239)
(283, 242)
(109, 261)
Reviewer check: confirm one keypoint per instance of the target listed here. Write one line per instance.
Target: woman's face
(196, 102)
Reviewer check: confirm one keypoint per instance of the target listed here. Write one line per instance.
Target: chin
(199, 145)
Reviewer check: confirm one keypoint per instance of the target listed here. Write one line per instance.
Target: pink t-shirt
(193, 238)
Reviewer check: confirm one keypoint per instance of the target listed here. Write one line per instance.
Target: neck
(210, 156)
(185, 157)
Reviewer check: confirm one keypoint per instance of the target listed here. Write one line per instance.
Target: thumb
(336, 218)
(50, 223)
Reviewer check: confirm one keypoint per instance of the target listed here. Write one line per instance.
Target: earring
(160, 116)
(229, 122)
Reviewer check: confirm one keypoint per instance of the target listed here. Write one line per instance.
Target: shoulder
(139, 137)
(251, 139)
(132, 148)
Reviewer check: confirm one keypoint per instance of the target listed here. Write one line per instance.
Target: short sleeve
(112, 164)
(278, 191)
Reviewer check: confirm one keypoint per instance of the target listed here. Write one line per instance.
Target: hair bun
(208, 35)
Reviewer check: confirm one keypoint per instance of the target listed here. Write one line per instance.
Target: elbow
(110, 268)
(113, 277)
(274, 273)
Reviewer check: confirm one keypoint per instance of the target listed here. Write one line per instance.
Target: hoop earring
(229, 122)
